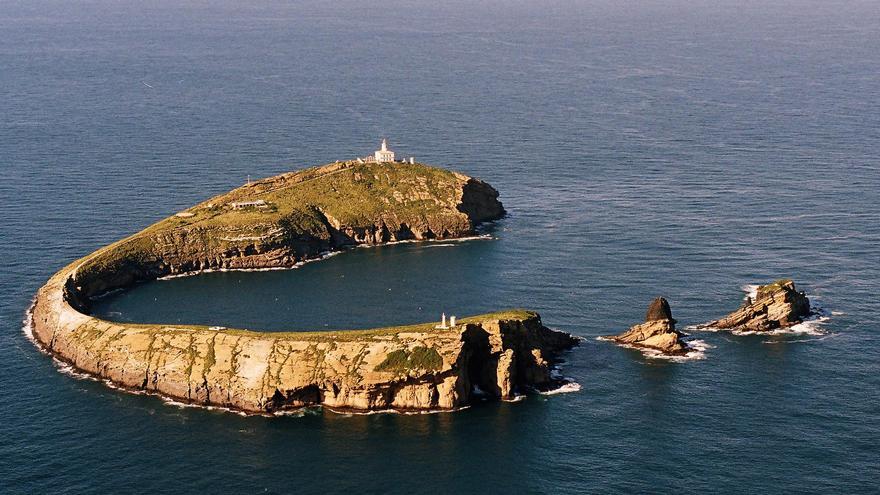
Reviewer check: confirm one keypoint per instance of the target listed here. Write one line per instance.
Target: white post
(443, 323)
(452, 321)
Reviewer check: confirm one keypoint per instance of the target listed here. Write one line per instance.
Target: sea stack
(657, 332)
(776, 305)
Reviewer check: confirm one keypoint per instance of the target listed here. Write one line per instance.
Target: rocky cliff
(279, 222)
(657, 332)
(776, 305)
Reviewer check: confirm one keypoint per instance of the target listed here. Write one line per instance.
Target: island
(657, 332)
(281, 222)
(776, 305)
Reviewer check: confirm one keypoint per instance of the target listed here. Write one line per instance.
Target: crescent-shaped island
(280, 222)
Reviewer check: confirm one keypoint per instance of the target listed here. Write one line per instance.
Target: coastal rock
(776, 305)
(659, 310)
(657, 332)
(276, 223)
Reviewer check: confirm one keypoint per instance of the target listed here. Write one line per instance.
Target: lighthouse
(383, 154)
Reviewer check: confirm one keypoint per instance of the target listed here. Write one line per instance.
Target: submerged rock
(657, 332)
(776, 305)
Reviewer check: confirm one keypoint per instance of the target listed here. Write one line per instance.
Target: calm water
(684, 150)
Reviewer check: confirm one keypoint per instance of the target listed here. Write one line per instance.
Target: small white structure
(249, 204)
(383, 154)
(412, 160)
(452, 321)
(442, 322)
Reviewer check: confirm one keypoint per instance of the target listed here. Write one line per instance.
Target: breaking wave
(751, 291)
(565, 388)
(348, 412)
(812, 325)
(562, 384)
(696, 350)
(430, 242)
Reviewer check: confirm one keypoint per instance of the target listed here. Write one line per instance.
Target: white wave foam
(187, 405)
(299, 413)
(696, 350)
(814, 325)
(751, 291)
(565, 388)
(69, 370)
(431, 242)
(564, 384)
(27, 324)
(349, 412)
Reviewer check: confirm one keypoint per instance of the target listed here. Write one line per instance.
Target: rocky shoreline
(287, 220)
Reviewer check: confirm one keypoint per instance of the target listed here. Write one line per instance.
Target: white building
(383, 154)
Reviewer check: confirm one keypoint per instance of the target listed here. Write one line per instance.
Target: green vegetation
(774, 286)
(299, 202)
(420, 358)
(349, 192)
(335, 335)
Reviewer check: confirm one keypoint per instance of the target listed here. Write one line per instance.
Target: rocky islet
(775, 305)
(657, 332)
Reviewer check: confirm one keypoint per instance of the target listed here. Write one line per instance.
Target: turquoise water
(679, 149)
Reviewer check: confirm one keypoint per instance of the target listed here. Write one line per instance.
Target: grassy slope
(349, 192)
(341, 335)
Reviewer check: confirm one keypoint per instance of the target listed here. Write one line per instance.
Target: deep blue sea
(688, 149)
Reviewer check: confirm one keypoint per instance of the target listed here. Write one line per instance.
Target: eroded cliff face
(279, 222)
(410, 368)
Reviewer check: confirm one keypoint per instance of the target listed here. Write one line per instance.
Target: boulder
(657, 332)
(659, 310)
(776, 305)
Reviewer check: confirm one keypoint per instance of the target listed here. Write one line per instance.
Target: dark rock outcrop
(657, 332)
(659, 310)
(776, 305)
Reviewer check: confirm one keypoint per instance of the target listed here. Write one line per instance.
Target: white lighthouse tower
(383, 154)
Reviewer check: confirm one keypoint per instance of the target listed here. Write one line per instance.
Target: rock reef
(279, 222)
(657, 332)
(776, 305)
